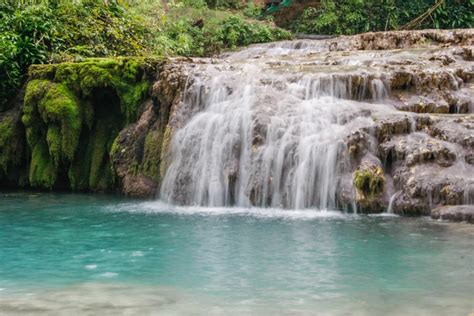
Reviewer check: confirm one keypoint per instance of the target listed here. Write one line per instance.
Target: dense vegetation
(357, 16)
(56, 31)
(42, 31)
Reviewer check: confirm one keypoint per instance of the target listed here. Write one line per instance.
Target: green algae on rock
(369, 182)
(13, 151)
(72, 114)
(139, 153)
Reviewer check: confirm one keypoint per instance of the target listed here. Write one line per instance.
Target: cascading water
(269, 125)
(267, 135)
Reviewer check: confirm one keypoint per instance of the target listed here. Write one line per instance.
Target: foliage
(58, 31)
(453, 14)
(369, 181)
(357, 16)
(35, 32)
(195, 30)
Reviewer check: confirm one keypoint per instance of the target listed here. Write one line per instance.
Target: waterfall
(269, 129)
(390, 203)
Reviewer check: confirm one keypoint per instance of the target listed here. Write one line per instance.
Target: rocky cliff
(61, 131)
(106, 125)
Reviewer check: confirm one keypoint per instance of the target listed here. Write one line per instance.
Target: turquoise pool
(70, 254)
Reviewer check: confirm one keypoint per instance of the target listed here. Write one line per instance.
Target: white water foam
(91, 267)
(159, 207)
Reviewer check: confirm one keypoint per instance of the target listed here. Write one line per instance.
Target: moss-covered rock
(12, 150)
(6, 135)
(72, 114)
(139, 153)
(136, 154)
(369, 182)
(128, 77)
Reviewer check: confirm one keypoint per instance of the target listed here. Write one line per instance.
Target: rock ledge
(458, 213)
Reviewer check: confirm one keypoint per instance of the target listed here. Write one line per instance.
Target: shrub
(357, 16)
(37, 32)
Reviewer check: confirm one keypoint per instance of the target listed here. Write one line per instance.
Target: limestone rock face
(427, 154)
(405, 39)
(458, 213)
(98, 125)
(140, 148)
(431, 166)
(135, 160)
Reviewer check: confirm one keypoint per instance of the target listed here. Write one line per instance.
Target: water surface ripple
(70, 254)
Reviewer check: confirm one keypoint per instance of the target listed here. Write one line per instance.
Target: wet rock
(346, 193)
(458, 130)
(131, 156)
(401, 80)
(419, 148)
(409, 206)
(426, 186)
(357, 144)
(425, 104)
(140, 151)
(462, 102)
(403, 39)
(457, 213)
(469, 158)
(388, 126)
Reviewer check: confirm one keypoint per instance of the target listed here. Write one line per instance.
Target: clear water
(70, 254)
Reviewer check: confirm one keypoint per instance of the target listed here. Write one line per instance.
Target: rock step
(458, 213)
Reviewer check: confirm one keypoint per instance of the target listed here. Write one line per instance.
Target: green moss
(115, 147)
(152, 154)
(164, 151)
(53, 138)
(31, 118)
(6, 137)
(79, 170)
(131, 96)
(42, 173)
(35, 90)
(42, 71)
(93, 76)
(98, 155)
(61, 108)
(12, 150)
(127, 76)
(369, 181)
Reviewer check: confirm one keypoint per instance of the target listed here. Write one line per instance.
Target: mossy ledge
(71, 115)
(369, 182)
